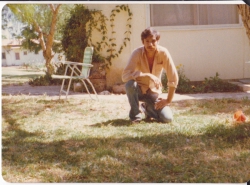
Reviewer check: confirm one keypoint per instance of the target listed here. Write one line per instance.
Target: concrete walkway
(237, 95)
(53, 91)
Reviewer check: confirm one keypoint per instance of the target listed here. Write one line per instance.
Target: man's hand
(161, 103)
(157, 81)
(165, 102)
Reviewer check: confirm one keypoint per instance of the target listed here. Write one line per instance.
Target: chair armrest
(60, 77)
(77, 63)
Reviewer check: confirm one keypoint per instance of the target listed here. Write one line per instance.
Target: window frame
(191, 27)
(3, 56)
(17, 56)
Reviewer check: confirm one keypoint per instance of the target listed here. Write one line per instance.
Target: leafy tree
(77, 32)
(41, 31)
(80, 26)
(74, 33)
(244, 11)
(29, 34)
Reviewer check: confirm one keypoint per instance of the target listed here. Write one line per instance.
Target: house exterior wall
(138, 24)
(202, 51)
(246, 56)
(30, 58)
(24, 59)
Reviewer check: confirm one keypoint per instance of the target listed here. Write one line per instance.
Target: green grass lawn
(48, 140)
(18, 75)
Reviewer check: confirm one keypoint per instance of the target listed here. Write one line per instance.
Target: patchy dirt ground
(29, 90)
(18, 72)
(53, 91)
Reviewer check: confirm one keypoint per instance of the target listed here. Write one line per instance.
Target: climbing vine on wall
(79, 30)
(99, 22)
(112, 50)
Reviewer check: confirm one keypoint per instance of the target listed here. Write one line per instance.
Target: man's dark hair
(150, 32)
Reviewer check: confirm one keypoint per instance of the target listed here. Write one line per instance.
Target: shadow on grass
(170, 157)
(114, 122)
(219, 154)
(123, 123)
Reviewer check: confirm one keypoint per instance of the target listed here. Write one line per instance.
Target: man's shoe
(137, 120)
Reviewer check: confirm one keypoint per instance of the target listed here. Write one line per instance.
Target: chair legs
(92, 88)
(62, 88)
(85, 85)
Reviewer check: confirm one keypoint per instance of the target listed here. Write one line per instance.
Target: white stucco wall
(246, 58)
(202, 51)
(138, 24)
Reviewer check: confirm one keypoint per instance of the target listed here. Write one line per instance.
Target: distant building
(12, 53)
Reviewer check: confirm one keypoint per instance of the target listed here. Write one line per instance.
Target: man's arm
(173, 80)
(171, 92)
(130, 71)
(166, 102)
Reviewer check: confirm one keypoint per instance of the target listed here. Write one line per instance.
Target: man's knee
(130, 86)
(166, 115)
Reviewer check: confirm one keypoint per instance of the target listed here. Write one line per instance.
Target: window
(3, 55)
(17, 56)
(25, 53)
(193, 14)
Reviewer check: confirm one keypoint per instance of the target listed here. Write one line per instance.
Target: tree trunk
(47, 46)
(244, 11)
(48, 65)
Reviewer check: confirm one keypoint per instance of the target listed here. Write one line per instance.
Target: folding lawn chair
(76, 73)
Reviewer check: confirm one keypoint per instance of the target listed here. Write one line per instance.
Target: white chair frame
(76, 73)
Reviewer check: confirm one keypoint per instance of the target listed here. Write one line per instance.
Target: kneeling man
(143, 79)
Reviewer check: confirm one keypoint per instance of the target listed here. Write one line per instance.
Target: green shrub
(184, 82)
(209, 85)
(46, 79)
(215, 84)
(74, 34)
